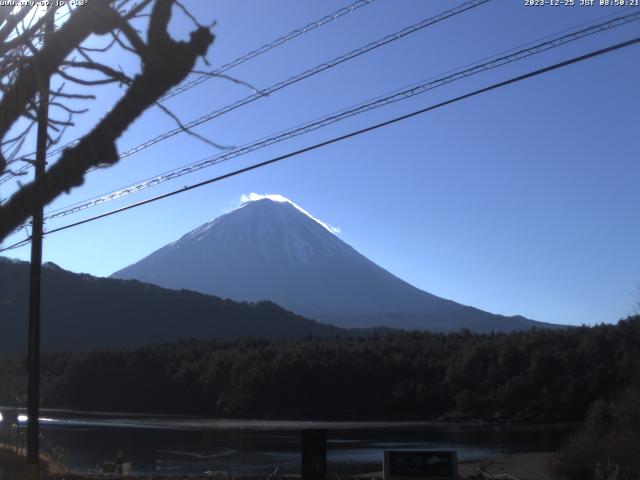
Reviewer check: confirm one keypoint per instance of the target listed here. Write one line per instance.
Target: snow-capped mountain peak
(270, 248)
(274, 197)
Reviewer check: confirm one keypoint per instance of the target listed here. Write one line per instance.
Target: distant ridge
(80, 312)
(270, 248)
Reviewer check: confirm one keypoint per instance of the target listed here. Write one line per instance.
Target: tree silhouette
(64, 56)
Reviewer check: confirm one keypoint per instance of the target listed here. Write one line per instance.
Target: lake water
(179, 445)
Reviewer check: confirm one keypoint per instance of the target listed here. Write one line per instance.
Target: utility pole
(33, 388)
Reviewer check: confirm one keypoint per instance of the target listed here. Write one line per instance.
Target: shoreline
(532, 466)
(167, 419)
(529, 465)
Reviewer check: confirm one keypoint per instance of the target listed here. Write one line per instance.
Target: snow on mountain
(279, 198)
(272, 249)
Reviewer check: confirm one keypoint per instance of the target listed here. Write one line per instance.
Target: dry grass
(13, 465)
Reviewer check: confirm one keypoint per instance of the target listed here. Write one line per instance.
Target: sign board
(314, 454)
(420, 465)
(108, 467)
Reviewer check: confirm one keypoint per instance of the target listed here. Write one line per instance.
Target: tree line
(536, 375)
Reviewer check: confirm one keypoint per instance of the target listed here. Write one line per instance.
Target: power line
(316, 146)
(307, 74)
(4, 176)
(335, 15)
(321, 122)
(19, 244)
(246, 57)
(265, 48)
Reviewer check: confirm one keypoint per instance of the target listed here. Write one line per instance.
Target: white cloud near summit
(252, 197)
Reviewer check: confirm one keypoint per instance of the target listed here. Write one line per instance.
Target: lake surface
(179, 445)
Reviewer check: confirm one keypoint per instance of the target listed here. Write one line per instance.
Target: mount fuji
(271, 249)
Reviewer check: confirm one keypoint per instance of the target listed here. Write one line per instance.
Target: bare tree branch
(166, 63)
(189, 131)
(28, 33)
(100, 49)
(94, 17)
(138, 45)
(12, 21)
(78, 96)
(67, 108)
(137, 8)
(107, 71)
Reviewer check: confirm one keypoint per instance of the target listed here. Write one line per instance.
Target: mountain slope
(272, 249)
(80, 311)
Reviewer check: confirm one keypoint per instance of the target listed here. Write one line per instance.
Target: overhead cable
(378, 102)
(371, 128)
(228, 66)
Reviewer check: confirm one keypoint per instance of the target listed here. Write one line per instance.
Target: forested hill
(80, 312)
(537, 375)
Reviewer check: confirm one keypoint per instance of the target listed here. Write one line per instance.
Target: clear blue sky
(520, 201)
